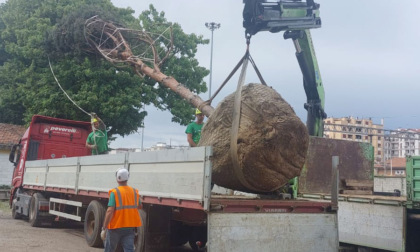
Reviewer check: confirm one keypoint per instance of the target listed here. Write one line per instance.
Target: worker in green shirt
(97, 140)
(193, 130)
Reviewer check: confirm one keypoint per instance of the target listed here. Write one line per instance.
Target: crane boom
(295, 18)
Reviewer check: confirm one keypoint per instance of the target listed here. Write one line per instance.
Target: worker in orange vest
(122, 216)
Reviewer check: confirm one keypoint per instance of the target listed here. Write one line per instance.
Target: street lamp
(212, 26)
(142, 135)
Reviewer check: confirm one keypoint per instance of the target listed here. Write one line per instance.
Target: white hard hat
(122, 175)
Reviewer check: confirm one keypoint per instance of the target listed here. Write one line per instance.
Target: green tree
(34, 32)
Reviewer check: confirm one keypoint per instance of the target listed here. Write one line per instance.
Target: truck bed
(171, 177)
(373, 221)
(246, 223)
(182, 179)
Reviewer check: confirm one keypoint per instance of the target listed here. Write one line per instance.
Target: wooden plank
(359, 183)
(357, 192)
(358, 188)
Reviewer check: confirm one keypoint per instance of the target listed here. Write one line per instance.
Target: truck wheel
(140, 239)
(94, 218)
(34, 217)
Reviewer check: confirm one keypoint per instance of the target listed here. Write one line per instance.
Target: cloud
(367, 53)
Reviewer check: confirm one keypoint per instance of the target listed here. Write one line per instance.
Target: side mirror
(13, 153)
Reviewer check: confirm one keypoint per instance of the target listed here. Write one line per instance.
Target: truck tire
(35, 219)
(94, 218)
(140, 239)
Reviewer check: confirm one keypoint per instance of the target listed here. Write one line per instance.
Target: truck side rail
(179, 177)
(368, 199)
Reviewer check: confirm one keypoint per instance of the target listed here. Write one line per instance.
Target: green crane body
(295, 18)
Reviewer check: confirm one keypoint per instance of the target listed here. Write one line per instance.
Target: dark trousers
(125, 236)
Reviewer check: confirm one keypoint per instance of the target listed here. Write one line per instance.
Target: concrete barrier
(389, 184)
(4, 194)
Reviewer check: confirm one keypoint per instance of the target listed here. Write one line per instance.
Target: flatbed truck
(366, 223)
(55, 177)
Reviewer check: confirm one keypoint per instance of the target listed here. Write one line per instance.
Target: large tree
(34, 32)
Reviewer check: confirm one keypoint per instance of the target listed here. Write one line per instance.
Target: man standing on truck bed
(97, 140)
(122, 216)
(193, 130)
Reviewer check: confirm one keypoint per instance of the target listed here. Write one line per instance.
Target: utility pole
(142, 136)
(211, 26)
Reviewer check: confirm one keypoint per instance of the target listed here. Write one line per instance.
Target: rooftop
(10, 134)
(396, 162)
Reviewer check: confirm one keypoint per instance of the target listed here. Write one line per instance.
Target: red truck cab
(47, 138)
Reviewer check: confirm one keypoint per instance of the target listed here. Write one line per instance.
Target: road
(19, 236)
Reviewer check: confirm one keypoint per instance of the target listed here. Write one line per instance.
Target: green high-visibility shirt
(100, 139)
(195, 130)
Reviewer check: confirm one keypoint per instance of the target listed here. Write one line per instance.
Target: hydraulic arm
(295, 18)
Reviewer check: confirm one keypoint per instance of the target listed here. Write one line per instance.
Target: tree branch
(116, 53)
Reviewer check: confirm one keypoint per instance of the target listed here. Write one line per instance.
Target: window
(399, 172)
(344, 135)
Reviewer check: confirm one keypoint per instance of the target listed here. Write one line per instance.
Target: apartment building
(401, 143)
(356, 129)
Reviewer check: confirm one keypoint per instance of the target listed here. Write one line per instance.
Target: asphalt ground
(19, 236)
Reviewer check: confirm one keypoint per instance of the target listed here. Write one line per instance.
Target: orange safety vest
(126, 208)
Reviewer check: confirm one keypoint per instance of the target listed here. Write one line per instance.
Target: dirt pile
(271, 145)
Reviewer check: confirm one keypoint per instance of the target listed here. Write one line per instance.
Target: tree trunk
(272, 141)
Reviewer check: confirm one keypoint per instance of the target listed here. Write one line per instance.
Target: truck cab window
(33, 150)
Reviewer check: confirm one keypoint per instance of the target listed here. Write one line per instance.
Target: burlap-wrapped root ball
(272, 141)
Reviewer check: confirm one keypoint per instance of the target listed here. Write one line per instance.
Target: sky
(367, 53)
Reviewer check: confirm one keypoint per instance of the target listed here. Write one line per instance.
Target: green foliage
(34, 32)
(181, 65)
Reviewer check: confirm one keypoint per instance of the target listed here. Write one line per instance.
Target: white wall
(6, 168)
(388, 184)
